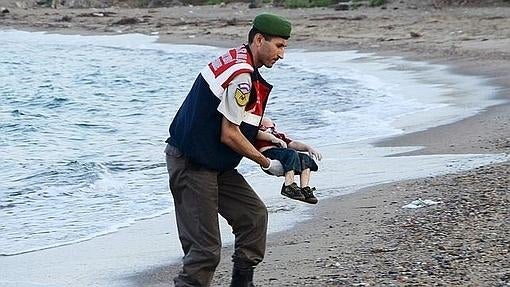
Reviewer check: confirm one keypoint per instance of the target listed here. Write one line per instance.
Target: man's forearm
(231, 136)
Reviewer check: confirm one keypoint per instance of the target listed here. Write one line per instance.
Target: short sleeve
(235, 98)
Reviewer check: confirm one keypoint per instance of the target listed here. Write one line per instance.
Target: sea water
(83, 121)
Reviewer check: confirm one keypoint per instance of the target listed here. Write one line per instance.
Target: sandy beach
(364, 238)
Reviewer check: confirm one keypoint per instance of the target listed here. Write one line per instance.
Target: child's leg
(289, 159)
(304, 178)
(307, 166)
(289, 177)
(306, 190)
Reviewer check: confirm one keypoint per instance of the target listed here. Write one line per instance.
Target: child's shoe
(292, 191)
(308, 194)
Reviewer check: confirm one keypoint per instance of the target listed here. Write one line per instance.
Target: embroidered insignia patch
(242, 94)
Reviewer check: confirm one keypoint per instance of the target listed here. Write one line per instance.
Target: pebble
(463, 242)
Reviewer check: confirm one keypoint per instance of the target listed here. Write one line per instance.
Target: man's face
(271, 51)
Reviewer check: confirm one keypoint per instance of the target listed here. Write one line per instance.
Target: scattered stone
(127, 21)
(415, 34)
(382, 250)
(164, 3)
(342, 7)
(348, 18)
(463, 241)
(4, 10)
(65, 18)
(231, 22)
(97, 14)
(255, 4)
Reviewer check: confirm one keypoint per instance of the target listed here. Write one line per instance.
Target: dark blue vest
(196, 128)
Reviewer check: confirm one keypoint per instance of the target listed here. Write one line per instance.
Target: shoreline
(302, 257)
(365, 237)
(288, 264)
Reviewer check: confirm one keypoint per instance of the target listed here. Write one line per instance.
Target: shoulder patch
(242, 94)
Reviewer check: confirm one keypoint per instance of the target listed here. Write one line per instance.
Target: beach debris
(382, 39)
(127, 21)
(389, 27)
(65, 18)
(415, 34)
(493, 18)
(4, 10)
(348, 18)
(383, 250)
(366, 207)
(342, 6)
(231, 22)
(420, 203)
(97, 14)
(255, 4)
(164, 3)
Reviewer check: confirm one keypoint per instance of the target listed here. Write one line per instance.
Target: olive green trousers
(200, 195)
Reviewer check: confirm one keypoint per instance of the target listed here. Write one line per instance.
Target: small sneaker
(292, 191)
(309, 196)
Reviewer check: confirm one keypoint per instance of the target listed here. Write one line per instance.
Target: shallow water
(83, 122)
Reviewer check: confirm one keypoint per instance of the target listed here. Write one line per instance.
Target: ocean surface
(83, 121)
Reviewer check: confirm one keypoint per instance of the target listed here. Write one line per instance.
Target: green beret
(272, 25)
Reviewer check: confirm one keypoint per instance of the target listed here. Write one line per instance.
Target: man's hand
(275, 167)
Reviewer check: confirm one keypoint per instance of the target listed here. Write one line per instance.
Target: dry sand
(365, 238)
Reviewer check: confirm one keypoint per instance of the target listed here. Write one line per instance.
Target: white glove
(275, 168)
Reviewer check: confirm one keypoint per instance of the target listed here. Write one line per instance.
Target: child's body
(289, 152)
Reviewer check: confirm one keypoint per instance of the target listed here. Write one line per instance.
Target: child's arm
(300, 146)
(264, 136)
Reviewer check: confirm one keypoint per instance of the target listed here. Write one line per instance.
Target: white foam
(25, 284)
(125, 41)
(407, 96)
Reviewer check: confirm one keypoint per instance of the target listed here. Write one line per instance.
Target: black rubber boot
(242, 278)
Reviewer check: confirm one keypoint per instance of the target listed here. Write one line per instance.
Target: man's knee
(252, 220)
(260, 213)
(263, 214)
